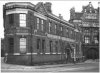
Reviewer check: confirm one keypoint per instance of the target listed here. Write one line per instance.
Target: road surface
(79, 67)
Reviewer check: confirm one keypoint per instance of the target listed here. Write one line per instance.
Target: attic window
(90, 5)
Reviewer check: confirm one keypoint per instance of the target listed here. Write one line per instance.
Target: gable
(40, 8)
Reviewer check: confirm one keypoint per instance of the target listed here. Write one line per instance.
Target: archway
(68, 55)
(92, 53)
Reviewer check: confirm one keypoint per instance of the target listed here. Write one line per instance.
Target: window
(22, 20)
(56, 46)
(42, 22)
(11, 45)
(85, 10)
(50, 46)
(49, 26)
(43, 46)
(38, 44)
(70, 31)
(38, 20)
(55, 28)
(87, 39)
(67, 30)
(71, 34)
(90, 10)
(67, 35)
(95, 40)
(61, 28)
(11, 19)
(95, 32)
(23, 45)
(87, 32)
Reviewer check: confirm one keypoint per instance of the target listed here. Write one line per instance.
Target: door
(68, 55)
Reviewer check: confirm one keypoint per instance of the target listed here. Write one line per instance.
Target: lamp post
(31, 42)
(74, 55)
(99, 22)
(99, 14)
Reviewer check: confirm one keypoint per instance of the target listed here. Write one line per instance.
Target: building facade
(88, 20)
(2, 47)
(33, 34)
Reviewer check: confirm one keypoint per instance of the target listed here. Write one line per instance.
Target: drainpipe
(31, 42)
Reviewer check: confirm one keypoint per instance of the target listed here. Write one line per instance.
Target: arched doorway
(68, 55)
(92, 53)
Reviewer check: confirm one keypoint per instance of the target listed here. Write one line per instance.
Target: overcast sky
(58, 7)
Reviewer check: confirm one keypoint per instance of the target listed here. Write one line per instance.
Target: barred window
(22, 20)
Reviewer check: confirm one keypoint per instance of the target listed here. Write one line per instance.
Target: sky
(58, 7)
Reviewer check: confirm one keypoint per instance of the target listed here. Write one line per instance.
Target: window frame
(23, 44)
(42, 24)
(11, 19)
(22, 20)
(37, 22)
(86, 40)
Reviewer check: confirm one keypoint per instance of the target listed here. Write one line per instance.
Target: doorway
(92, 53)
(68, 55)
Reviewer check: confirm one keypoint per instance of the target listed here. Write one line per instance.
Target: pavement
(85, 66)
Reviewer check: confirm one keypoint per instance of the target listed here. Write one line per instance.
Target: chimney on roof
(72, 13)
(60, 16)
(90, 4)
(48, 7)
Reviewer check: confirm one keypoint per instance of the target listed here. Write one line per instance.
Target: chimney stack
(60, 16)
(48, 7)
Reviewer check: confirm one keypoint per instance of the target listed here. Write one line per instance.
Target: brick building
(33, 34)
(88, 20)
(2, 47)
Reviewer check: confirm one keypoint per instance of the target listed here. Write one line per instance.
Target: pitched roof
(78, 15)
(40, 4)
